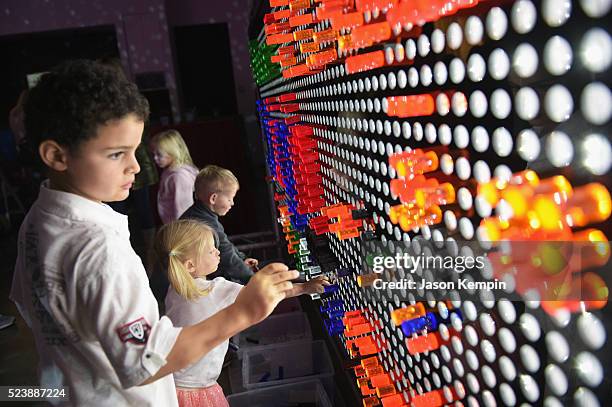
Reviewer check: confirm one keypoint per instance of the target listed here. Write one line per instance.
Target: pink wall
(142, 31)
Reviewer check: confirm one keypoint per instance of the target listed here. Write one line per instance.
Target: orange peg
(325, 35)
(410, 106)
(396, 400)
(402, 314)
(414, 162)
(370, 362)
(366, 280)
(367, 35)
(441, 195)
(381, 380)
(303, 34)
(424, 343)
(308, 47)
(302, 19)
(385, 391)
(296, 5)
(371, 402)
(589, 204)
(365, 62)
(348, 20)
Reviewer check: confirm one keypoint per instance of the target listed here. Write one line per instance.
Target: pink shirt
(175, 194)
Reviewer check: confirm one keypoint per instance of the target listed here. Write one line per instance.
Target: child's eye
(115, 156)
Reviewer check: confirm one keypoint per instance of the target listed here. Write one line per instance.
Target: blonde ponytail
(178, 242)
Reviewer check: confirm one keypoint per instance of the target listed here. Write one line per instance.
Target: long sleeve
(231, 265)
(175, 193)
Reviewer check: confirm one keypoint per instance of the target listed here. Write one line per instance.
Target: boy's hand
(252, 263)
(264, 291)
(316, 285)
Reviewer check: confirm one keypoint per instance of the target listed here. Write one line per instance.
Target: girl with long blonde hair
(186, 249)
(176, 183)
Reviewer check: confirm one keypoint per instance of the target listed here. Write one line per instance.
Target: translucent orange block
(278, 3)
(308, 47)
(360, 372)
(381, 380)
(302, 19)
(403, 314)
(348, 20)
(366, 280)
(325, 35)
(367, 35)
(327, 13)
(366, 390)
(374, 370)
(358, 330)
(296, 70)
(303, 34)
(434, 398)
(279, 39)
(589, 204)
(370, 362)
(371, 5)
(441, 195)
(290, 61)
(385, 391)
(396, 400)
(289, 49)
(404, 188)
(348, 234)
(371, 402)
(414, 162)
(424, 343)
(296, 5)
(322, 58)
(410, 106)
(277, 58)
(278, 15)
(344, 43)
(364, 62)
(490, 190)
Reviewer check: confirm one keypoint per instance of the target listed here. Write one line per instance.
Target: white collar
(78, 208)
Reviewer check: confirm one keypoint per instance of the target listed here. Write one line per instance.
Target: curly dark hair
(71, 101)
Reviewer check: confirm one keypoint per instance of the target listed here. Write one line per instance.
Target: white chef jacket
(85, 294)
(183, 312)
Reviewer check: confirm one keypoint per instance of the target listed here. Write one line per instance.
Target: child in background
(215, 190)
(78, 283)
(175, 192)
(186, 248)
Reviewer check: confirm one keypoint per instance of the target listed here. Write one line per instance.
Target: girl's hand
(264, 291)
(316, 285)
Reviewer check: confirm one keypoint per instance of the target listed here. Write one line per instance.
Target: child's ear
(189, 265)
(53, 155)
(212, 198)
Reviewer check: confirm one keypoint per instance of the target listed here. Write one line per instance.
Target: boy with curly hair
(78, 283)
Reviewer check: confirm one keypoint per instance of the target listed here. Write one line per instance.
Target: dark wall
(40, 51)
(204, 67)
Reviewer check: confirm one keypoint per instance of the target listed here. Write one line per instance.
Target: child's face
(208, 261)
(161, 158)
(222, 201)
(103, 168)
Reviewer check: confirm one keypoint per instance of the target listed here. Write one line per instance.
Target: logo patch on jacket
(136, 331)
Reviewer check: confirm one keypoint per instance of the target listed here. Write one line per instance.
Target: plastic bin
(290, 327)
(311, 393)
(276, 364)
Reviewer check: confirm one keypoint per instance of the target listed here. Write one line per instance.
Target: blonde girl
(186, 249)
(175, 193)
